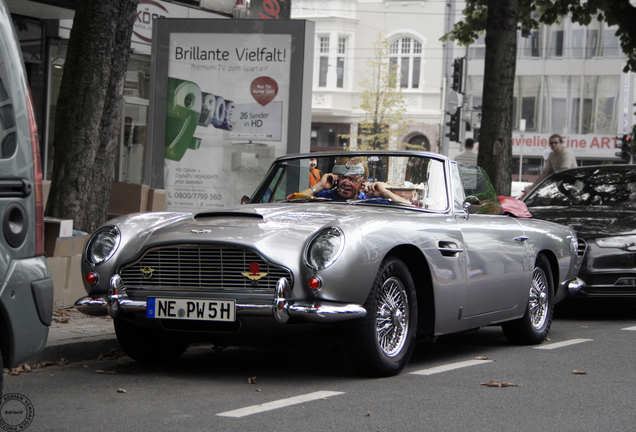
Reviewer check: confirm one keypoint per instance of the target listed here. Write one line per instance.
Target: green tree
(381, 99)
(88, 118)
(500, 19)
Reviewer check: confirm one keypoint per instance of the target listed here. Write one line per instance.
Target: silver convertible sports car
(380, 244)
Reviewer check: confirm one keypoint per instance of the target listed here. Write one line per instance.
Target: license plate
(191, 309)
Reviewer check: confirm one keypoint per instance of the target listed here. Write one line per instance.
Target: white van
(26, 286)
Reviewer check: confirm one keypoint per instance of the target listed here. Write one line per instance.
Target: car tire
(145, 346)
(534, 327)
(380, 344)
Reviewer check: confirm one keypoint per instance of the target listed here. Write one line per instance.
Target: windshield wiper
(307, 199)
(377, 200)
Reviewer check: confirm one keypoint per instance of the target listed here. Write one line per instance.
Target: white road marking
(562, 344)
(255, 409)
(448, 367)
(629, 328)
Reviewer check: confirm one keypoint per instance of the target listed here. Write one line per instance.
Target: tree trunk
(89, 108)
(495, 146)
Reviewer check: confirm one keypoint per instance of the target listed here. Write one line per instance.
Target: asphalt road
(307, 384)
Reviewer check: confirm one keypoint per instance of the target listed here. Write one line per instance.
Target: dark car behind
(599, 203)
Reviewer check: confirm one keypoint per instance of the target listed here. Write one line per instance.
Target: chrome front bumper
(575, 286)
(116, 303)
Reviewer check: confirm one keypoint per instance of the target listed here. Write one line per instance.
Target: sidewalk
(71, 326)
(74, 336)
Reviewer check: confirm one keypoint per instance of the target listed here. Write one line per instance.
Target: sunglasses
(351, 178)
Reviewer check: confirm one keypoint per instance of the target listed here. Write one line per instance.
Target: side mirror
(471, 201)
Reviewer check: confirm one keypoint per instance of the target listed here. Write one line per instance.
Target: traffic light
(625, 144)
(454, 124)
(458, 75)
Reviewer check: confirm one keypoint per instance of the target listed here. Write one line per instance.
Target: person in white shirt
(468, 156)
(561, 158)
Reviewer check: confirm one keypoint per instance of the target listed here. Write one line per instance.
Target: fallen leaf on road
(495, 383)
(62, 312)
(484, 358)
(62, 320)
(251, 380)
(121, 390)
(62, 362)
(578, 372)
(43, 365)
(368, 413)
(105, 372)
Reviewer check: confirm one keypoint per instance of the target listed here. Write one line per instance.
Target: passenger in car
(314, 173)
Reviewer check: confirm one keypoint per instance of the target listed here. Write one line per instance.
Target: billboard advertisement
(230, 97)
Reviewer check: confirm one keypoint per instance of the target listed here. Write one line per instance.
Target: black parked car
(599, 203)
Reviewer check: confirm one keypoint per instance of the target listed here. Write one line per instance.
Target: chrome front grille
(580, 252)
(217, 267)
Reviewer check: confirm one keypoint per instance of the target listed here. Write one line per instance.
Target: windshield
(608, 186)
(358, 177)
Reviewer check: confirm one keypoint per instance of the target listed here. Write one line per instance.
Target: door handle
(15, 188)
(449, 249)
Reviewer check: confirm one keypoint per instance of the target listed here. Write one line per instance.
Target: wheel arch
(420, 271)
(554, 267)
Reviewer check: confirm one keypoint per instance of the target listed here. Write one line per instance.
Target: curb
(82, 350)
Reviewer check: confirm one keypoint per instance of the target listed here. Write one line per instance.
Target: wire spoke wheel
(534, 326)
(538, 302)
(381, 342)
(392, 315)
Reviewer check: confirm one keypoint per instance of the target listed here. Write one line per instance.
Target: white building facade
(569, 81)
(345, 32)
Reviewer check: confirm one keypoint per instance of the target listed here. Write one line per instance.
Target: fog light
(314, 283)
(91, 278)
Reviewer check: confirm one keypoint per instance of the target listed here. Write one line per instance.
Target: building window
(406, 53)
(326, 137)
(600, 113)
(581, 105)
(525, 101)
(555, 40)
(575, 40)
(474, 91)
(561, 110)
(477, 50)
(340, 64)
(324, 61)
(611, 44)
(419, 142)
(530, 46)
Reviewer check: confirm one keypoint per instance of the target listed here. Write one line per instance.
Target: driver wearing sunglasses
(347, 181)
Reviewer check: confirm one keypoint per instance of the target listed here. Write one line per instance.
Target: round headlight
(103, 245)
(325, 248)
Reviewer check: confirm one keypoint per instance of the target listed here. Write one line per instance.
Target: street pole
(522, 129)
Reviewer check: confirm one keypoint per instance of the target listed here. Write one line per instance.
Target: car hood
(590, 221)
(267, 228)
